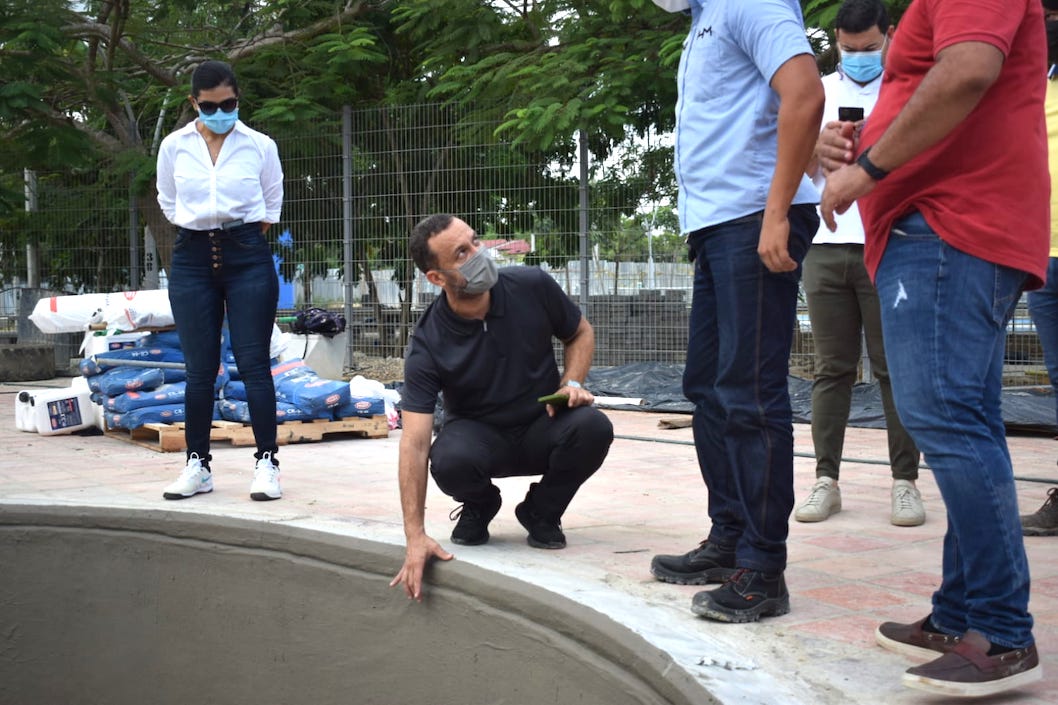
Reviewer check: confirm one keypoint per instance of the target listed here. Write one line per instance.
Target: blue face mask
(220, 122)
(862, 66)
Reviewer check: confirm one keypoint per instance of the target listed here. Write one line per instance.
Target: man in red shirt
(952, 183)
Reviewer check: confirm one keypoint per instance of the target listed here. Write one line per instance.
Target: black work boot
(472, 529)
(708, 563)
(746, 597)
(1045, 521)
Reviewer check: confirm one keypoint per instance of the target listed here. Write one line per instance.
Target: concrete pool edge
(558, 624)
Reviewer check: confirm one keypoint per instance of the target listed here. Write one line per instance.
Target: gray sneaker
(907, 505)
(822, 502)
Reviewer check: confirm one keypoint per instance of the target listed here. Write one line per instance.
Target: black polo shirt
(491, 370)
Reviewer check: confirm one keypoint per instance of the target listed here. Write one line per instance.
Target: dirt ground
(384, 369)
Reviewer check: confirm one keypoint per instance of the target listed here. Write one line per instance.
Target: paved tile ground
(845, 575)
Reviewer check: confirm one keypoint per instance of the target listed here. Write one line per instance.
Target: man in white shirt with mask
(841, 298)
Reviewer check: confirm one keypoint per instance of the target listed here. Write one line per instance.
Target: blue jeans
(944, 317)
(741, 330)
(1043, 307)
(214, 272)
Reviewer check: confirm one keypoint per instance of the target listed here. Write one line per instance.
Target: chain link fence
(356, 184)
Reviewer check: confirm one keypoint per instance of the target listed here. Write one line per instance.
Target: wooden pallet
(166, 438)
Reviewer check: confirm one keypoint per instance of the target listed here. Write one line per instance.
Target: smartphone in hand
(847, 114)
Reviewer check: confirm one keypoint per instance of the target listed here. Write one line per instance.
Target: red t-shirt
(984, 188)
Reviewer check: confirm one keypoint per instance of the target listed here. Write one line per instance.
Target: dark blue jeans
(1043, 307)
(741, 330)
(944, 318)
(214, 272)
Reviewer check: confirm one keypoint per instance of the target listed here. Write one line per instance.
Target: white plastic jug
(53, 411)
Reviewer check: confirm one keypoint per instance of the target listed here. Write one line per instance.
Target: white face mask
(673, 5)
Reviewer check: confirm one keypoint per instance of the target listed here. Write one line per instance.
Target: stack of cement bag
(301, 395)
(138, 393)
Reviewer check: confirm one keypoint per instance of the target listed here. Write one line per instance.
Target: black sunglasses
(209, 107)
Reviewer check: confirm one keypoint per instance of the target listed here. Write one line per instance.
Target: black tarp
(659, 385)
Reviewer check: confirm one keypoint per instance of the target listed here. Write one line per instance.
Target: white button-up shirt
(245, 184)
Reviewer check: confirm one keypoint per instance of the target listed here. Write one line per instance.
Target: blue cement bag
(233, 370)
(236, 390)
(174, 375)
(166, 413)
(238, 410)
(222, 378)
(161, 339)
(361, 406)
(165, 394)
(119, 380)
(297, 384)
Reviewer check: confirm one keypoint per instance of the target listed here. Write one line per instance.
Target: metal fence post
(582, 142)
(32, 248)
(134, 228)
(347, 230)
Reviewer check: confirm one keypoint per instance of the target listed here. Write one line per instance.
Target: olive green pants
(841, 301)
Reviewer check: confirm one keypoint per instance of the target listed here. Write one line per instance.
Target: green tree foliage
(547, 68)
(91, 86)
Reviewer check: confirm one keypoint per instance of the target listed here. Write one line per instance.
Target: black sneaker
(472, 529)
(543, 532)
(746, 597)
(706, 564)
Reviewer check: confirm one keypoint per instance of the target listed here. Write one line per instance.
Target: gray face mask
(480, 272)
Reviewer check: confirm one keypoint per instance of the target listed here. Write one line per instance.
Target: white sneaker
(194, 479)
(824, 500)
(265, 485)
(907, 504)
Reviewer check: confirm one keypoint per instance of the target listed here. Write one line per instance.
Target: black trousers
(565, 451)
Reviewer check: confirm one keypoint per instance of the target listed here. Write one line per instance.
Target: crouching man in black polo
(486, 345)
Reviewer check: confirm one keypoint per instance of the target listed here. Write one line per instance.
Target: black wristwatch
(872, 169)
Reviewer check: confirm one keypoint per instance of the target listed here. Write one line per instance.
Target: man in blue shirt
(747, 118)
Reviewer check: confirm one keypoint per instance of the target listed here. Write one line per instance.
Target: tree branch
(86, 30)
(351, 11)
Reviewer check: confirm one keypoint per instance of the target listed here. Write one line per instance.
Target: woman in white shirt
(221, 183)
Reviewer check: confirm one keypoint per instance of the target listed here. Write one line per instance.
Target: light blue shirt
(727, 113)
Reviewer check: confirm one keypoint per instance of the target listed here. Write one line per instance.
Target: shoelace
(266, 466)
(193, 467)
(1051, 505)
(461, 510)
(738, 575)
(904, 497)
(819, 493)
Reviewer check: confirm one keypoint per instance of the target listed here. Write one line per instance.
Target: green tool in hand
(555, 399)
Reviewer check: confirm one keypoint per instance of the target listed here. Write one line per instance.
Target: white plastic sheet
(121, 310)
